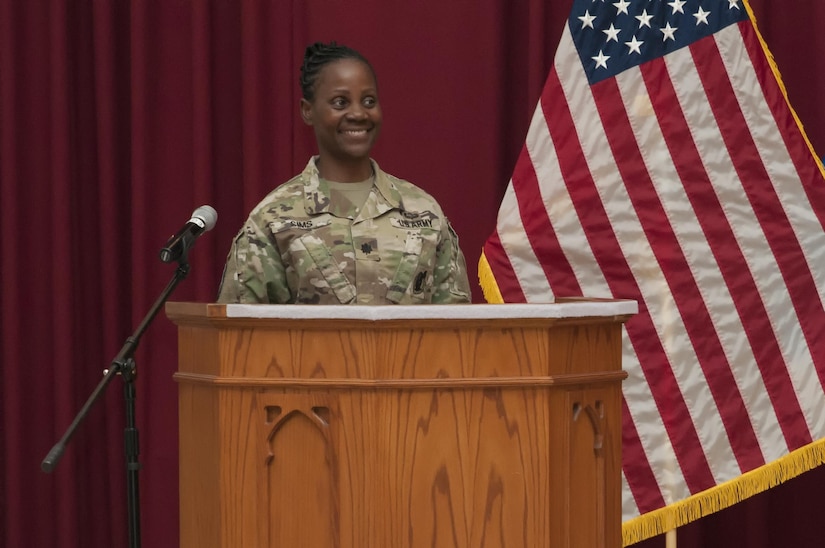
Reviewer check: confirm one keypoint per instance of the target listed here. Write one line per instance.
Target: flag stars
(635, 45)
(644, 19)
(612, 33)
(668, 32)
(587, 19)
(626, 42)
(701, 16)
(601, 59)
(622, 6)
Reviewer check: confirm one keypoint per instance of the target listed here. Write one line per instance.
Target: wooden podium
(400, 427)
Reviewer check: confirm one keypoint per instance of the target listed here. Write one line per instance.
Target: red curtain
(118, 119)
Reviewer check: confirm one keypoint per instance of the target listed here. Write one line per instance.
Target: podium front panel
(487, 429)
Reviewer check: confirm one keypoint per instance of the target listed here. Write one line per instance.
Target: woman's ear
(306, 112)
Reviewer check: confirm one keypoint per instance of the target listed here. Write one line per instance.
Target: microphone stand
(124, 365)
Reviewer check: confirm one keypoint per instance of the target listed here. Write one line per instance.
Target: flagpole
(670, 539)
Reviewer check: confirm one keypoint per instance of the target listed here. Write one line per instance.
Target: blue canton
(614, 35)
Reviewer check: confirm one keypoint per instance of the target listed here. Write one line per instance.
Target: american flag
(664, 164)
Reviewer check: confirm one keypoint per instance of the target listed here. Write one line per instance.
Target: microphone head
(207, 216)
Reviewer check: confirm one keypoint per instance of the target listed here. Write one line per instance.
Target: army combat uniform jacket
(304, 244)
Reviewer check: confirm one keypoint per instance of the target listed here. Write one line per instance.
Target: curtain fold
(118, 119)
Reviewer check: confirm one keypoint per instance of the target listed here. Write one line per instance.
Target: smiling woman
(344, 231)
(340, 102)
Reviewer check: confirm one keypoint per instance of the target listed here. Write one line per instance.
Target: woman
(344, 231)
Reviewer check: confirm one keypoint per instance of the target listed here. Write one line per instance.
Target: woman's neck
(344, 173)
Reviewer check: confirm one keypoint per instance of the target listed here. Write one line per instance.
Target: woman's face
(345, 112)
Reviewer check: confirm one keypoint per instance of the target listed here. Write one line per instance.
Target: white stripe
(705, 270)
(752, 242)
(513, 237)
(742, 220)
(806, 227)
(643, 264)
(774, 153)
(629, 508)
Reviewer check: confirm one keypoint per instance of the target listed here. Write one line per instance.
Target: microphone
(203, 219)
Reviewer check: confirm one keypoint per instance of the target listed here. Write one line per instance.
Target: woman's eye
(339, 102)
(370, 102)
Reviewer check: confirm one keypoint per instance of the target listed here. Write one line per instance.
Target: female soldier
(344, 231)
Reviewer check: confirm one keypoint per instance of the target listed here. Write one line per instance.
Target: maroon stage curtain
(118, 119)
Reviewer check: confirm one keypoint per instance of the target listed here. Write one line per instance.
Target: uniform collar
(317, 198)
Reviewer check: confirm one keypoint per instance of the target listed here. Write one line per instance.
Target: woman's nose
(357, 112)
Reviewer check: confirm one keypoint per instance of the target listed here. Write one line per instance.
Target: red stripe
(806, 164)
(683, 287)
(636, 467)
(807, 167)
(613, 264)
(502, 271)
(723, 244)
(758, 188)
(539, 229)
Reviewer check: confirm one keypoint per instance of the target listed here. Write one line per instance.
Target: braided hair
(317, 56)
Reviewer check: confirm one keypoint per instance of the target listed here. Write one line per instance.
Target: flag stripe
(657, 445)
(540, 232)
(614, 266)
(806, 169)
(797, 177)
(806, 165)
(715, 234)
(716, 165)
(590, 128)
(720, 236)
(638, 473)
(562, 214)
(759, 188)
(683, 287)
(502, 270)
(757, 185)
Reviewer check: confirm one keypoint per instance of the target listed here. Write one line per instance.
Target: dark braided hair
(317, 56)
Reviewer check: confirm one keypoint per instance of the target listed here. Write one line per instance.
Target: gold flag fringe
(489, 286)
(724, 495)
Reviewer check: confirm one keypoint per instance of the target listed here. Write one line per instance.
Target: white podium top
(567, 309)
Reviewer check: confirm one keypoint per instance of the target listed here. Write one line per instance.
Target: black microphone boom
(203, 219)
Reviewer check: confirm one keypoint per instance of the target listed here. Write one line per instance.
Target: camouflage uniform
(302, 245)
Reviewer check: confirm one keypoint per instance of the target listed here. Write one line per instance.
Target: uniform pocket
(414, 275)
(312, 271)
(324, 264)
